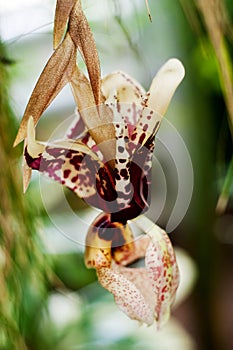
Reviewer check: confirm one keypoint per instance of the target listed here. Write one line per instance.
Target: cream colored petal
(127, 295)
(27, 173)
(34, 148)
(139, 277)
(159, 270)
(164, 85)
(120, 87)
(161, 267)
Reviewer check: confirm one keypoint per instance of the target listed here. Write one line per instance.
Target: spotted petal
(161, 267)
(145, 294)
(74, 165)
(119, 87)
(127, 296)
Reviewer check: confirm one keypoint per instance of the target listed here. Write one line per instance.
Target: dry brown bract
(71, 33)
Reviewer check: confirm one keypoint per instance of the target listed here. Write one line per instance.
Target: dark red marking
(66, 173)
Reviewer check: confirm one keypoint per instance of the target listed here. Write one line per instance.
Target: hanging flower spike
(144, 294)
(106, 159)
(80, 165)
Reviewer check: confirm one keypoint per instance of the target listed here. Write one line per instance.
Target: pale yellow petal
(164, 85)
(120, 87)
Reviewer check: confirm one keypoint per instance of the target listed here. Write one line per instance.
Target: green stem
(225, 193)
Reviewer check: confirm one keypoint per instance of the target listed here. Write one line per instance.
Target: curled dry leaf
(62, 65)
(56, 74)
(81, 34)
(62, 13)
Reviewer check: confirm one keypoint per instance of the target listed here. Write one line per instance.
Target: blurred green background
(48, 299)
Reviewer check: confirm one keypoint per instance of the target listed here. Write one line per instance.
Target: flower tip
(19, 137)
(173, 65)
(165, 84)
(27, 173)
(34, 148)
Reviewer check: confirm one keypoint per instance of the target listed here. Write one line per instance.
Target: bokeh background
(48, 299)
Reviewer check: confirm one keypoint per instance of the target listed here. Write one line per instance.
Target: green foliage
(24, 269)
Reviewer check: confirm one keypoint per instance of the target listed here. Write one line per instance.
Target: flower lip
(145, 293)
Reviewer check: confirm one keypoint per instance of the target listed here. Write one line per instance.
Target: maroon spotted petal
(81, 172)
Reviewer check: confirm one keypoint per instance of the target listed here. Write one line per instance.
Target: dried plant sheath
(56, 74)
(81, 34)
(62, 13)
(97, 119)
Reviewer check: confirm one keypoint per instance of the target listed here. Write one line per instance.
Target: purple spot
(76, 160)
(66, 173)
(33, 163)
(124, 174)
(133, 137)
(142, 137)
(120, 149)
(74, 179)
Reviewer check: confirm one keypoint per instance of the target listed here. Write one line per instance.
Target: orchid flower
(106, 159)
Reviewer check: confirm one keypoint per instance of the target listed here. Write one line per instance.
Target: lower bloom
(144, 293)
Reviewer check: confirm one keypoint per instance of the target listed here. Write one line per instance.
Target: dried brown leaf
(81, 34)
(56, 74)
(63, 9)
